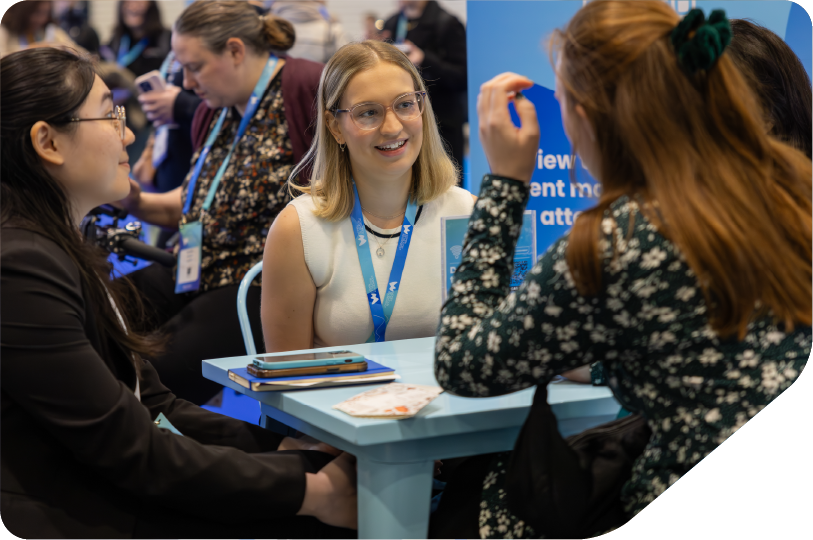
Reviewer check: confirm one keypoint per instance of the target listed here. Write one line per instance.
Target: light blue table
(396, 457)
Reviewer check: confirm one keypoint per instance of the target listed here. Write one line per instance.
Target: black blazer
(80, 456)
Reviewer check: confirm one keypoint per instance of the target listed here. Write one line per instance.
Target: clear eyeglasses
(369, 116)
(118, 117)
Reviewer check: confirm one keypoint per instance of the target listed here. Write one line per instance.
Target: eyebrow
(108, 96)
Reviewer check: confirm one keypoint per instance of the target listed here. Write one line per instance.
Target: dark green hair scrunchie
(708, 43)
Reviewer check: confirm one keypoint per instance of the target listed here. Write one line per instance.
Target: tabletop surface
(413, 360)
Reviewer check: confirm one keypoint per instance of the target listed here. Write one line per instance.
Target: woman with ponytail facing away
(690, 279)
(250, 130)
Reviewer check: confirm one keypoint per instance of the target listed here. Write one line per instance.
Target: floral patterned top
(648, 325)
(251, 193)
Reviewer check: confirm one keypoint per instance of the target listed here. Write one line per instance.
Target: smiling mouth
(393, 146)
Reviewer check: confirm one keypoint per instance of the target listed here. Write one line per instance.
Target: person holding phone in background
(164, 163)
(690, 279)
(83, 450)
(336, 258)
(246, 149)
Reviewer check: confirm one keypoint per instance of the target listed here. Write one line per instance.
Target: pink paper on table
(396, 400)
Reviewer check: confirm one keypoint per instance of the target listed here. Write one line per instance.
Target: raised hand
(511, 151)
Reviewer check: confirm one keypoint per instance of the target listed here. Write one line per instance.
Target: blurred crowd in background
(139, 42)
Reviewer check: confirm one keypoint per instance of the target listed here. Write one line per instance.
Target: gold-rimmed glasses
(118, 116)
(368, 116)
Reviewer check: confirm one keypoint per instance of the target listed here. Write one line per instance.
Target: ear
(585, 121)
(45, 145)
(237, 49)
(334, 127)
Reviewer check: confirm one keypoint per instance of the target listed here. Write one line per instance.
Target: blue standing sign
(523, 29)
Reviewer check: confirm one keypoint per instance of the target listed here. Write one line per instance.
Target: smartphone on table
(302, 360)
(299, 372)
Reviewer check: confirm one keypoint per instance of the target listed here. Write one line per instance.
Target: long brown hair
(692, 147)
(51, 84)
(433, 173)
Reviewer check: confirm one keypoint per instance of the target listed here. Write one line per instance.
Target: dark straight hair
(51, 84)
(152, 24)
(16, 18)
(778, 78)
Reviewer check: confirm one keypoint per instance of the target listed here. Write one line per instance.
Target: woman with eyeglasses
(366, 231)
(251, 129)
(93, 444)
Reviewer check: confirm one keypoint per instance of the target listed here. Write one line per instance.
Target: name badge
(189, 256)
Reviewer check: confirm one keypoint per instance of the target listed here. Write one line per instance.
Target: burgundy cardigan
(300, 81)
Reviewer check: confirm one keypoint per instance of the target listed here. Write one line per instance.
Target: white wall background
(349, 12)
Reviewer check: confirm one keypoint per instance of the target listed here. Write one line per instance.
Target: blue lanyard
(381, 311)
(401, 29)
(253, 104)
(127, 55)
(165, 65)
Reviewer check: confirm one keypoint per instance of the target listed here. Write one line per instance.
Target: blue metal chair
(248, 339)
(242, 312)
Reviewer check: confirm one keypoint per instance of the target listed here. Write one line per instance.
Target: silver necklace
(380, 251)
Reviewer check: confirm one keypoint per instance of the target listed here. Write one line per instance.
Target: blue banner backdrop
(512, 36)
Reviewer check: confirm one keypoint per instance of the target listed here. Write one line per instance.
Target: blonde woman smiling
(366, 231)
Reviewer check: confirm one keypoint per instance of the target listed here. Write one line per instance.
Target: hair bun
(708, 42)
(279, 33)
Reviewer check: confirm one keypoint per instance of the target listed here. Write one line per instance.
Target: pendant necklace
(380, 251)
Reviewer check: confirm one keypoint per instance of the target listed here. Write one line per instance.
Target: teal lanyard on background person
(127, 55)
(161, 140)
(381, 310)
(401, 28)
(189, 256)
(165, 65)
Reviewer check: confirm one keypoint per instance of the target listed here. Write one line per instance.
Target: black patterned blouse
(648, 324)
(251, 194)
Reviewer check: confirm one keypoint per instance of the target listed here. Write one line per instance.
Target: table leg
(394, 499)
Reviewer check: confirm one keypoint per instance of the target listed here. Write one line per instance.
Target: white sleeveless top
(341, 315)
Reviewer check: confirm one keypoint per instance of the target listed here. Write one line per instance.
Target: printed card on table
(395, 400)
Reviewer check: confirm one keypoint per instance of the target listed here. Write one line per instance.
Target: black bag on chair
(570, 488)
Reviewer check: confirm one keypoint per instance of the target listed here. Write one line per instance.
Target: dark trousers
(458, 513)
(200, 326)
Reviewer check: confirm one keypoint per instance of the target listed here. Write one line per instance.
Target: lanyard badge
(189, 256)
(188, 278)
(381, 308)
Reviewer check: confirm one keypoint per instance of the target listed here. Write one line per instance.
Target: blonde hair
(216, 22)
(433, 173)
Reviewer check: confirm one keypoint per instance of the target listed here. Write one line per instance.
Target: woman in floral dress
(690, 278)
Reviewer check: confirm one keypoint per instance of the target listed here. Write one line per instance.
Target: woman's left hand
(511, 151)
